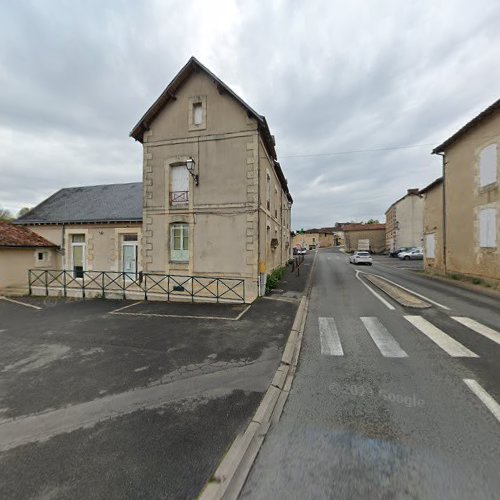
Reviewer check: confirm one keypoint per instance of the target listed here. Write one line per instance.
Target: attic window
(197, 113)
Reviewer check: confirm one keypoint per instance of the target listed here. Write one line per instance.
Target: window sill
(179, 206)
(488, 187)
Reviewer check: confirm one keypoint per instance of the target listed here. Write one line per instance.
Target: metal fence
(148, 285)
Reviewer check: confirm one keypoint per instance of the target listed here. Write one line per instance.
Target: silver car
(413, 254)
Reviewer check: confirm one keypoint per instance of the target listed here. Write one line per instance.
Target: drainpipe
(443, 156)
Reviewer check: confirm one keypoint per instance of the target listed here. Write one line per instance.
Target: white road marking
(18, 302)
(488, 400)
(448, 344)
(329, 337)
(126, 307)
(413, 292)
(484, 330)
(379, 297)
(385, 342)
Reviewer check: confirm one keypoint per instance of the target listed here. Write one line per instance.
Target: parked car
(361, 258)
(414, 254)
(302, 251)
(397, 251)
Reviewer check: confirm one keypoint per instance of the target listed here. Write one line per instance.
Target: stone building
(374, 234)
(433, 225)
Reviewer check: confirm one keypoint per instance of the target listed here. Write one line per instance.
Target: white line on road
(379, 297)
(413, 292)
(448, 344)
(126, 307)
(386, 343)
(19, 302)
(484, 330)
(329, 337)
(488, 401)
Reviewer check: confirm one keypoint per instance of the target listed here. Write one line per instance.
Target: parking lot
(121, 399)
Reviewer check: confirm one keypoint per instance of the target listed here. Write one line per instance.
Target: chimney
(414, 191)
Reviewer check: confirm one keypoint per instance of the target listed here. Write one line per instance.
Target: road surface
(388, 402)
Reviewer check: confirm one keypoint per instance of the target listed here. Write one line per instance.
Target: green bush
(477, 281)
(274, 278)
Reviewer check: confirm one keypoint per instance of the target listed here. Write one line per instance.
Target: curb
(401, 296)
(232, 472)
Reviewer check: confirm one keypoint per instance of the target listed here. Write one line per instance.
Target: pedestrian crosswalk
(331, 338)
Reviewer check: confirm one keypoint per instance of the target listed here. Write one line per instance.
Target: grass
(274, 278)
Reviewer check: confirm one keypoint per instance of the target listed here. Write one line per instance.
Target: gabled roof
(104, 203)
(169, 94)
(433, 184)
(364, 227)
(21, 237)
(474, 122)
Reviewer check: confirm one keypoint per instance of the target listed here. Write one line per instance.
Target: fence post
(145, 287)
(103, 293)
(123, 285)
(217, 283)
(244, 292)
(46, 283)
(168, 287)
(64, 284)
(83, 284)
(29, 281)
(192, 289)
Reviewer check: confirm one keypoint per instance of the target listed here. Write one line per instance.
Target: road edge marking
(414, 293)
(25, 304)
(484, 397)
(379, 297)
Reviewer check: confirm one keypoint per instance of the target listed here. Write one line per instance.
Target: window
(179, 185)
(488, 165)
(268, 192)
(40, 256)
(197, 113)
(430, 246)
(78, 255)
(179, 243)
(488, 228)
(275, 203)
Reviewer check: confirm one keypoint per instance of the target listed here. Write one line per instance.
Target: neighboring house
(216, 202)
(471, 194)
(97, 227)
(433, 225)
(404, 221)
(314, 238)
(374, 233)
(20, 251)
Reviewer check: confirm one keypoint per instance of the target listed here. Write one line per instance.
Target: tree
(373, 221)
(23, 211)
(5, 215)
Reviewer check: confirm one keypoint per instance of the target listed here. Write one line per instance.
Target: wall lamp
(191, 165)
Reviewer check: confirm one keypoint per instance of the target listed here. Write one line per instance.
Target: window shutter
(487, 228)
(488, 165)
(430, 246)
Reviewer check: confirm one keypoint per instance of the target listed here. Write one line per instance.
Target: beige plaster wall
(464, 198)
(376, 237)
(16, 262)
(433, 224)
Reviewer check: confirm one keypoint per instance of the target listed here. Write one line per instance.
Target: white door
(129, 260)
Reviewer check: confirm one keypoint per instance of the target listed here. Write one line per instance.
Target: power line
(357, 151)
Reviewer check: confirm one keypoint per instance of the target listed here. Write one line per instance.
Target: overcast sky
(330, 77)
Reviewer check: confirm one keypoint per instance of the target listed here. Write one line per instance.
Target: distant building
(404, 221)
(374, 233)
(471, 194)
(314, 238)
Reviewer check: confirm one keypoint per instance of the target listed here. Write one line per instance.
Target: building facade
(404, 221)
(373, 235)
(471, 194)
(314, 238)
(216, 202)
(433, 226)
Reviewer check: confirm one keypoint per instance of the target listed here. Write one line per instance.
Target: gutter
(443, 156)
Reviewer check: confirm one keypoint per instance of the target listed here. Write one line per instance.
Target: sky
(335, 80)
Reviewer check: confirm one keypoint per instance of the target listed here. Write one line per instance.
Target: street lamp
(190, 165)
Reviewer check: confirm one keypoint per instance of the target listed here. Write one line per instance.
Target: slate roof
(469, 125)
(21, 237)
(104, 203)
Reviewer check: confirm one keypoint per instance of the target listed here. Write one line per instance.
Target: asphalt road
(386, 402)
